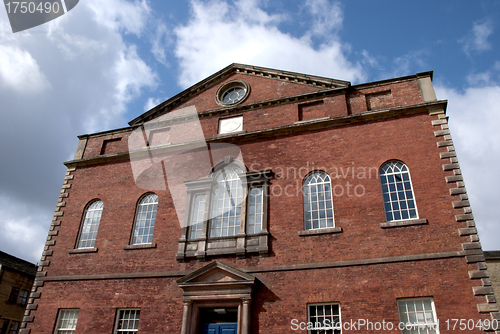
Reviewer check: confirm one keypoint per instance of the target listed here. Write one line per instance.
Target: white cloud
(21, 227)
(474, 122)
(477, 39)
(152, 102)
(327, 17)
(19, 71)
(403, 65)
(77, 75)
(480, 79)
(118, 15)
(219, 34)
(126, 70)
(161, 40)
(490, 77)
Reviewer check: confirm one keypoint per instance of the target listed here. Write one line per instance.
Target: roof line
(183, 96)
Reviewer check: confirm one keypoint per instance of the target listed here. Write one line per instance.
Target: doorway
(218, 320)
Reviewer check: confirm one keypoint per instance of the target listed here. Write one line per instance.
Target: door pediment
(216, 274)
(216, 285)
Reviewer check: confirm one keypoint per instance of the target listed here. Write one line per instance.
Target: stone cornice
(392, 81)
(238, 109)
(314, 124)
(218, 77)
(492, 255)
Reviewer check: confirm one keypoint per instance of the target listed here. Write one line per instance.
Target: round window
(232, 93)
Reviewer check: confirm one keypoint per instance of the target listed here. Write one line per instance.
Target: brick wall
(365, 292)
(351, 156)
(350, 151)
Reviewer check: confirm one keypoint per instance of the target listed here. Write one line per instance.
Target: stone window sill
(403, 223)
(140, 246)
(83, 250)
(238, 245)
(329, 230)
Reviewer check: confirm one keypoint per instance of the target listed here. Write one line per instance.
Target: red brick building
(266, 201)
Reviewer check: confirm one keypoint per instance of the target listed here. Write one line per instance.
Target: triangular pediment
(265, 84)
(216, 273)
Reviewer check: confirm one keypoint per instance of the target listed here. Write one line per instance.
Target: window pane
(66, 323)
(23, 297)
(419, 313)
(127, 321)
(14, 327)
(90, 225)
(325, 318)
(197, 215)
(399, 203)
(145, 220)
(318, 203)
(14, 292)
(226, 203)
(254, 219)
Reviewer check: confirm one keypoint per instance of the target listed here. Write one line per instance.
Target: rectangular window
(254, 224)
(23, 297)
(127, 322)
(325, 318)
(66, 321)
(14, 327)
(228, 125)
(4, 325)
(13, 295)
(418, 315)
(197, 216)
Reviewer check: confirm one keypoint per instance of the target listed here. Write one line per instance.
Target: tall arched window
(145, 220)
(90, 225)
(318, 204)
(226, 203)
(399, 201)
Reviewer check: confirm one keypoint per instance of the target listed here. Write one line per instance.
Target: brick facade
(293, 124)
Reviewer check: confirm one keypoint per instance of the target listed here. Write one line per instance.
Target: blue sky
(106, 62)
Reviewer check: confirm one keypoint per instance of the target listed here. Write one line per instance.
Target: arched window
(318, 204)
(90, 225)
(145, 220)
(226, 203)
(399, 201)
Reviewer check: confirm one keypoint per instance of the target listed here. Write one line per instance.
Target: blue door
(225, 328)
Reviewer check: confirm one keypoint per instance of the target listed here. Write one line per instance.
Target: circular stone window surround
(230, 85)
